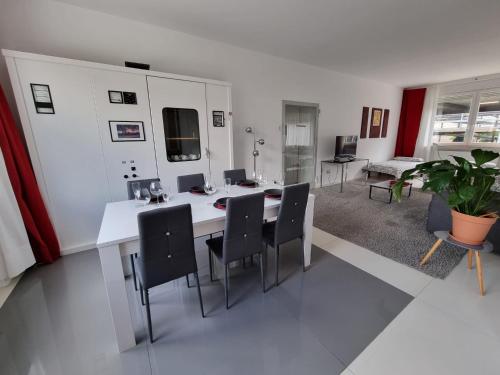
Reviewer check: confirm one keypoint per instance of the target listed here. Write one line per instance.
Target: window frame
(467, 143)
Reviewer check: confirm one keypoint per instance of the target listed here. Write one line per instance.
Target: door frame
(284, 103)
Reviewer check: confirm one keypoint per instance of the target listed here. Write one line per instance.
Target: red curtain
(36, 220)
(409, 121)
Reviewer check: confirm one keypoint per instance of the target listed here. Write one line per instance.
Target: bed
(394, 167)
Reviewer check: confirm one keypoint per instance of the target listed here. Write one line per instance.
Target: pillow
(407, 158)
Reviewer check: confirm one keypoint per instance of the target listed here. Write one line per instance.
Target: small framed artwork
(115, 97)
(127, 131)
(375, 123)
(218, 119)
(42, 98)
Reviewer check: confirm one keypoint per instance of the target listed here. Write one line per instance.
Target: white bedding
(394, 167)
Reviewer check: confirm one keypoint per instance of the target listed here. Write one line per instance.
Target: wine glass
(227, 185)
(156, 190)
(144, 196)
(209, 187)
(136, 189)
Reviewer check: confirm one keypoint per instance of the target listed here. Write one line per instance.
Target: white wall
(260, 82)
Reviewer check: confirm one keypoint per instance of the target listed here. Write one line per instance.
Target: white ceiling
(403, 42)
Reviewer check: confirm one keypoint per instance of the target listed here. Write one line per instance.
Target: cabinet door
(126, 131)
(68, 148)
(220, 138)
(178, 113)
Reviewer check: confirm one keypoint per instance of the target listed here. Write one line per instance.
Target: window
(487, 127)
(182, 134)
(468, 118)
(452, 118)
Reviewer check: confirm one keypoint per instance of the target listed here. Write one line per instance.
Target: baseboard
(78, 249)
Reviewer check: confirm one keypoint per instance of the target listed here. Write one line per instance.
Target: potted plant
(466, 187)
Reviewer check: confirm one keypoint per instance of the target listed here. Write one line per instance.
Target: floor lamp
(255, 152)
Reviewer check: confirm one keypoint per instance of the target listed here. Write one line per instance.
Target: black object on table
(342, 163)
(388, 185)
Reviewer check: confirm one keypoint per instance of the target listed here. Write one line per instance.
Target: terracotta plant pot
(471, 230)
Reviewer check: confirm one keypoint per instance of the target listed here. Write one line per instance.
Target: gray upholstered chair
(242, 235)
(130, 193)
(166, 251)
(236, 175)
(186, 182)
(290, 222)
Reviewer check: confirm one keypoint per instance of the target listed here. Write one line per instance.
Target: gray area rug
(396, 231)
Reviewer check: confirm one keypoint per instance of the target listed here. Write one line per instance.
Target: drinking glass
(156, 190)
(136, 189)
(167, 194)
(145, 196)
(227, 185)
(263, 180)
(209, 186)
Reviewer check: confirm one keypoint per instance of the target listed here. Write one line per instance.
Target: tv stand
(342, 162)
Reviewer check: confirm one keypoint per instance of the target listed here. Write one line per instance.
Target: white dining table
(119, 237)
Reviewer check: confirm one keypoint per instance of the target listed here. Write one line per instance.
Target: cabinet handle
(207, 152)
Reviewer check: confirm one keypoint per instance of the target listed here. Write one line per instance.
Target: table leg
(114, 281)
(390, 196)
(469, 259)
(370, 195)
(342, 178)
(308, 228)
(431, 251)
(409, 191)
(321, 174)
(479, 270)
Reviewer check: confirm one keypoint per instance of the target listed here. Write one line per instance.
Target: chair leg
(469, 259)
(276, 265)
(226, 286)
(302, 254)
(132, 264)
(199, 294)
(211, 264)
(148, 313)
(263, 271)
(142, 294)
(187, 281)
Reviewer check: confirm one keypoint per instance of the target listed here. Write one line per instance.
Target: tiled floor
(447, 329)
(57, 321)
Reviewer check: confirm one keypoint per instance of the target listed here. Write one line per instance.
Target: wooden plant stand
(486, 247)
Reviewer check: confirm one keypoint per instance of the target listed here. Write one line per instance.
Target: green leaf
(483, 156)
(466, 193)
(454, 200)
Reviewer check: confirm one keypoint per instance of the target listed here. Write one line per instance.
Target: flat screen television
(345, 145)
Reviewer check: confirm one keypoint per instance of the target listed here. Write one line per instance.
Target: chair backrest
(290, 221)
(236, 175)
(243, 229)
(186, 182)
(166, 244)
(143, 183)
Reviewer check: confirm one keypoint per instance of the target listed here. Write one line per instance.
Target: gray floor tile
(57, 320)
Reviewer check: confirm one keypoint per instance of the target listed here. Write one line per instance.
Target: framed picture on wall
(127, 131)
(218, 119)
(375, 123)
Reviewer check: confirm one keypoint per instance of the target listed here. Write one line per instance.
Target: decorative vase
(471, 230)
